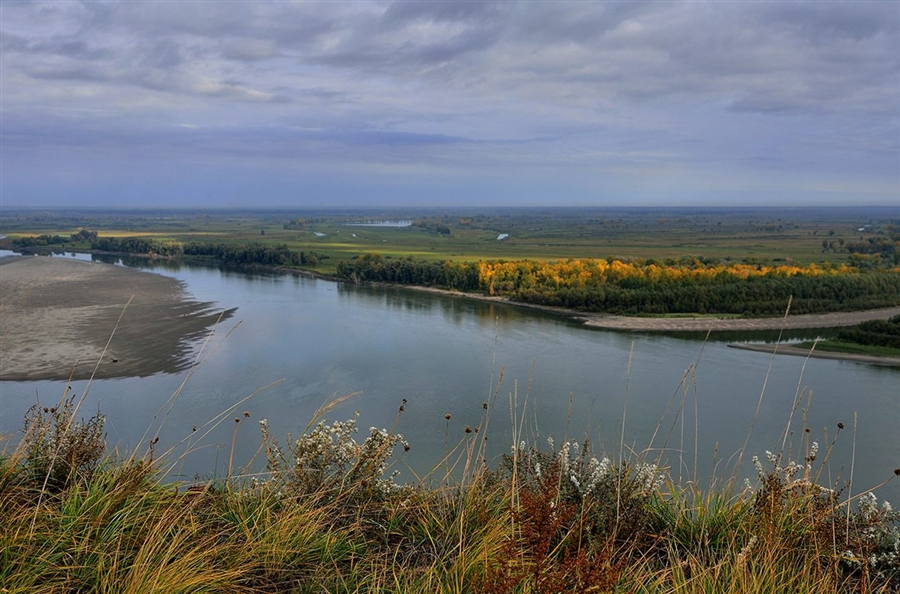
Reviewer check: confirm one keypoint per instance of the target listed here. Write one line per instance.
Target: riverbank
(693, 324)
(59, 313)
(786, 349)
(62, 318)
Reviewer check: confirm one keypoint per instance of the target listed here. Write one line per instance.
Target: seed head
(246, 414)
(840, 425)
(448, 416)
(468, 429)
(897, 471)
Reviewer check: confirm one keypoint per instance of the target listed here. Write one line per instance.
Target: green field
(800, 236)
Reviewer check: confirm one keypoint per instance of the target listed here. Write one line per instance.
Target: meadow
(798, 236)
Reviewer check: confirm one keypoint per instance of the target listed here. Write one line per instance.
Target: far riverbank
(693, 324)
(786, 349)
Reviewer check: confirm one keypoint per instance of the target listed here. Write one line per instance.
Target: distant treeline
(887, 248)
(253, 253)
(880, 333)
(689, 285)
(45, 240)
(434, 225)
(225, 253)
(459, 276)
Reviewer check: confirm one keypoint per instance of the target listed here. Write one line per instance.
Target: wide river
(296, 343)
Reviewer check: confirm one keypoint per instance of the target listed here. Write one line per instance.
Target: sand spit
(786, 349)
(703, 324)
(58, 315)
(695, 324)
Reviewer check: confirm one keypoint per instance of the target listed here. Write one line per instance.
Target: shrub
(57, 450)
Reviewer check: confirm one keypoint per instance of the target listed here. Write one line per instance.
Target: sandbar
(692, 324)
(787, 349)
(62, 318)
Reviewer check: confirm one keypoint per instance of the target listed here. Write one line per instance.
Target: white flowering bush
(873, 537)
(611, 499)
(328, 459)
(864, 538)
(584, 475)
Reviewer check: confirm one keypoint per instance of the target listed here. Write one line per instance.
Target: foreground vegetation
(326, 516)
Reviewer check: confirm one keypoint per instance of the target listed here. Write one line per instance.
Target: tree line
(253, 253)
(46, 240)
(881, 333)
(688, 285)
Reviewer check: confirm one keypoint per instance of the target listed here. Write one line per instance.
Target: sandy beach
(703, 324)
(63, 317)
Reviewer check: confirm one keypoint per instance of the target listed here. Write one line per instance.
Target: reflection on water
(306, 341)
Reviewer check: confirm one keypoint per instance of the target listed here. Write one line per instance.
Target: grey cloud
(576, 84)
(824, 21)
(250, 50)
(399, 13)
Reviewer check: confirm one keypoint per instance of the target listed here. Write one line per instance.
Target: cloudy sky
(449, 103)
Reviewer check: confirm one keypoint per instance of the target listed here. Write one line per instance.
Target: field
(800, 236)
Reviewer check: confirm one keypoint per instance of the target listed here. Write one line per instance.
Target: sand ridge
(57, 316)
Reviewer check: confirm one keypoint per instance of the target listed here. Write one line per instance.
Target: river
(296, 343)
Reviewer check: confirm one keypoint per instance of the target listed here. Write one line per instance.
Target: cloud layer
(340, 103)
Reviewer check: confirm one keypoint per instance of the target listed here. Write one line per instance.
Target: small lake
(400, 223)
(296, 343)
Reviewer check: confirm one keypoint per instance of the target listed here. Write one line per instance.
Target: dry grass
(326, 516)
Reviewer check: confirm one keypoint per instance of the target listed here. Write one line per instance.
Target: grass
(325, 515)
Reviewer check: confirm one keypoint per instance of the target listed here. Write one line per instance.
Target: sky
(354, 104)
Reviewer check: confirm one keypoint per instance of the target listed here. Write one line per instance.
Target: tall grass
(325, 515)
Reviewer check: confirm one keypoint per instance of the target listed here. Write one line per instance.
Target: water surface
(300, 342)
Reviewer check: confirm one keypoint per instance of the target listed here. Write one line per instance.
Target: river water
(296, 343)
